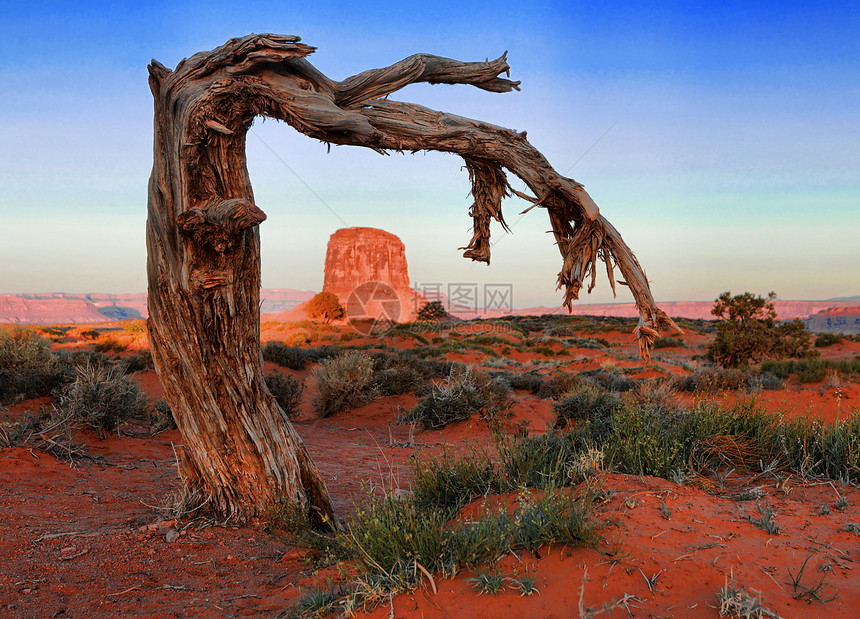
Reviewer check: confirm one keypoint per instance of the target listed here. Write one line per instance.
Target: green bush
(559, 383)
(102, 398)
(291, 357)
(28, 366)
(388, 536)
(611, 380)
(318, 354)
(824, 340)
(668, 342)
(749, 332)
(526, 381)
(811, 370)
(344, 382)
(287, 391)
(589, 405)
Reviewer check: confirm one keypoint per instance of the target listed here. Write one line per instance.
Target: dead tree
(203, 263)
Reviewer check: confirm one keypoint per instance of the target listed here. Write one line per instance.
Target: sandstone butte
(356, 259)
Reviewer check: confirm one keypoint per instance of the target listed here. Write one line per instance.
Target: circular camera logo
(372, 308)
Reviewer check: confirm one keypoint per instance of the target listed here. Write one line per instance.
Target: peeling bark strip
(203, 238)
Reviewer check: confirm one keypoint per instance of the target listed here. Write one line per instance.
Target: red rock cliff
(356, 256)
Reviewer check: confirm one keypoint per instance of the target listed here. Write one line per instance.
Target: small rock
(171, 535)
(293, 555)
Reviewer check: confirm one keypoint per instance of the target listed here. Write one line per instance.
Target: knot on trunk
(218, 223)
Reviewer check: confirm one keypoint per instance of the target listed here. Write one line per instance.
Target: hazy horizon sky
(721, 140)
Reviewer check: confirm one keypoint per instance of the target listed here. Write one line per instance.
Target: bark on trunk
(203, 239)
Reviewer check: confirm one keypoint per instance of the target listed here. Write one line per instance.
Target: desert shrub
(109, 343)
(644, 441)
(823, 340)
(527, 381)
(611, 380)
(659, 392)
(466, 392)
(668, 342)
(47, 431)
(325, 306)
(102, 398)
(344, 382)
(811, 370)
(28, 366)
(454, 344)
(291, 357)
(138, 362)
(90, 334)
(434, 310)
(749, 332)
(318, 354)
(540, 462)
(161, 418)
(287, 391)
(134, 326)
(763, 381)
(589, 343)
(394, 375)
(429, 368)
(588, 406)
(315, 602)
(558, 384)
(711, 380)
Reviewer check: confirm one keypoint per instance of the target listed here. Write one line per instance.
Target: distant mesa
(845, 320)
(33, 309)
(63, 308)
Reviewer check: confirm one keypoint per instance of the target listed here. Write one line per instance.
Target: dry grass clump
(49, 431)
(736, 602)
(344, 382)
(102, 397)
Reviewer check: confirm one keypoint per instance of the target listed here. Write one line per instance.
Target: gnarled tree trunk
(203, 264)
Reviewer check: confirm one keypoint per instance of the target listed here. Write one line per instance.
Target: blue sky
(723, 141)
